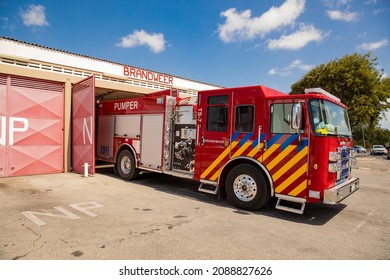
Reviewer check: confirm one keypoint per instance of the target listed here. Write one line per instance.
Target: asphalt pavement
(101, 217)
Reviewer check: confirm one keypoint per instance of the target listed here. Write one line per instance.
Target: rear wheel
(247, 188)
(125, 165)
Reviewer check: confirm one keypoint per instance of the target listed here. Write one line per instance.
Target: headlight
(334, 156)
(334, 167)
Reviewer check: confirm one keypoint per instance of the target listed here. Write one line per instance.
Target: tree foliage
(366, 136)
(356, 80)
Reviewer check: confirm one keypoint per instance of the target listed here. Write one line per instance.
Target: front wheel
(125, 165)
(247, 188)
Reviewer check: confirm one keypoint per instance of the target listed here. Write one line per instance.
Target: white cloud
(298, 39)
(362, 35)
(335, 3)
(343, 16)
(273, 71)
(155, 41)
(286, 71)
(240, 26)
(385, 121)
(7, 24)
(374, 45)
(34, 16)
(298, 64)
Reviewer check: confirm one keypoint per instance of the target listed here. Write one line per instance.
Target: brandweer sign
(147, 75)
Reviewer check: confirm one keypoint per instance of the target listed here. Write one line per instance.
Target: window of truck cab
(217, 113)
(328, 118)
(280, 118)
(244, 118)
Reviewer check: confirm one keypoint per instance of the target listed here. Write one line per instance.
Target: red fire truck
(250, 143)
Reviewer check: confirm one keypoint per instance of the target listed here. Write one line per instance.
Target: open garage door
(31, 126)
(3, 121)
(83, 125)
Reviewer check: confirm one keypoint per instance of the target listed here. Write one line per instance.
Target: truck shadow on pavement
(315, 214)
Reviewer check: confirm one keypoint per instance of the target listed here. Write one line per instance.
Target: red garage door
(32, 138)
(83, 125)
(3, 120)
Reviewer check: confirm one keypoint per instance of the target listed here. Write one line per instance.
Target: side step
(211, 189)
(290, 204)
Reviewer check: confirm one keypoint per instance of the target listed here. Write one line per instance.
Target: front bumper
(341, 191)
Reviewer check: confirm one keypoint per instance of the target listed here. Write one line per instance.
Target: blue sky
(223, 42)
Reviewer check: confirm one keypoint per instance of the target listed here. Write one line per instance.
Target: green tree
(356, 80)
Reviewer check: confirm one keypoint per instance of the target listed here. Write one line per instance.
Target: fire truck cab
(250, 143)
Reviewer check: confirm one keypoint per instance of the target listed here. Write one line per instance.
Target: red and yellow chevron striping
(284, 159)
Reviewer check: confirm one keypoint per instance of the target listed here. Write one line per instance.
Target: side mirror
(296, 117)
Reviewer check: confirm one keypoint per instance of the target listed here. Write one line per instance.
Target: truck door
(83, 125)
(213, 135)
(286, 153)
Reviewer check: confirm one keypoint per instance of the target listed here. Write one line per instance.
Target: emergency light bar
(324, 92)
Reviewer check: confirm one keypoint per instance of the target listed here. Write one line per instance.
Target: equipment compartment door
(83, 125)
(105, 142)
(151, 141)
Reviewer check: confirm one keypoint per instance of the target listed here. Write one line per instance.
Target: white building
(36, 85)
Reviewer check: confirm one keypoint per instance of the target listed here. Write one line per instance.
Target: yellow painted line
(255, 150)
(298, 189)
(242, 149)
(268, 152)
(218, 160)
(216, 174)
(236, 154)
(291, 179)
(290, 164)
(283, 154)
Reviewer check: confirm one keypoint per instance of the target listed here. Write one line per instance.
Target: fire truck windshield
(328, 118)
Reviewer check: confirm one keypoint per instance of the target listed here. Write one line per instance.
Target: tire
(125, 165)
(247, 188)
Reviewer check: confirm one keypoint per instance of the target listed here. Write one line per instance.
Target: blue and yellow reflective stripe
(298, 189)
(254, 147)
(291, 179)
(268, 152)
(218, 160)
(242, 149)
(243, 144)
(272, 147)
(236, 154)
(282, 155)
(290, 164)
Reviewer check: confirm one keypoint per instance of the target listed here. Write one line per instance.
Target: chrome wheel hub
(125, 165)
(245, 187)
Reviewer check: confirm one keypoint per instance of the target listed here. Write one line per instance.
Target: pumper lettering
(126, 105)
